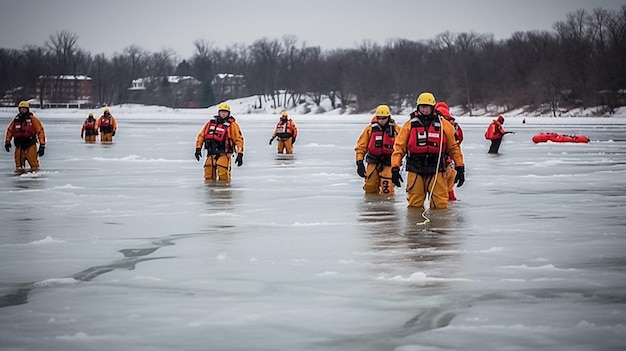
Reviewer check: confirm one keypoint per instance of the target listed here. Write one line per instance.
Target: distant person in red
(495, 132)
(88, 130)
(443, 110)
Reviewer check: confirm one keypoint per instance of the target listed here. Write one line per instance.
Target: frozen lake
(124, 246)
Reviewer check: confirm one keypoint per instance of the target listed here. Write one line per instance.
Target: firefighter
(88, 129)
(443, 110)
(221, 136)
(286, 131)
(426, 140)
(26, 131)
(375, 145)
(107, 125)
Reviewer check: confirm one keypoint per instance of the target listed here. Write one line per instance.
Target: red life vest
(426, 140)
(89, 124)
(458, 133)
(493, 131)
(284, 129)
(106, 125)
(216, 136)
(105, 122)
(216, 131)
(382, 138)
(23, 127)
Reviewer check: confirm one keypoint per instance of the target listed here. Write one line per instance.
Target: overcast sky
(109, 26)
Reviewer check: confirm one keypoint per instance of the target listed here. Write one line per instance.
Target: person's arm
(9, 133)
(295, 128)
(399, 146)
(453, 149)
(236, 136)
(200, 137)
(39, 130)
(362, 142)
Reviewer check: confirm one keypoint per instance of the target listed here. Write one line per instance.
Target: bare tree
(138, 61)
(101, 72)
(265, 75)
(576, 39)
(461, 52)
(10, 71)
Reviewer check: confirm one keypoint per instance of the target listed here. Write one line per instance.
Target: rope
(434, 181)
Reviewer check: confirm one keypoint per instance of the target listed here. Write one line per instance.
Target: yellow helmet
(90, 114)
(383, 111)
(283, 113)
(23, 104)
(426, 99)
(106, 109)
(223, 107)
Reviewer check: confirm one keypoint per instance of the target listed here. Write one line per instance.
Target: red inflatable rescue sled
(559, 138)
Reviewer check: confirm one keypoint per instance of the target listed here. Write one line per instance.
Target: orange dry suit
(89, 130)
(26, 131)
(221, 137)
(286, 131)
(426, 140)
(107, 125)
(375, 146)
(458, 134)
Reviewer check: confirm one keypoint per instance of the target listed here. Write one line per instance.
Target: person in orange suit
(27, 132)
(442, 108)
(375, 145)
(107, 125)
(426, 140)
(286, 131)
(88, 129)
(221, 136)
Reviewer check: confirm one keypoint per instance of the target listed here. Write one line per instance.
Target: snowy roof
(66, 77)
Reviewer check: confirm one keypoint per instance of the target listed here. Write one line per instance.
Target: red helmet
(443, 110)
(500, 119)
(441, 104)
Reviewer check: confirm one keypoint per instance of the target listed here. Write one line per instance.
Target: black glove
(7, 146)
(396, 178)
(81, 136)
(271, 141)
(198, 153)
(360, 168)
(113, 134)
(293, 140)
(42, 149)
(460, 175)
(239, 160)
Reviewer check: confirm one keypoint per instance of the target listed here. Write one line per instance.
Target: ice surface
(125, 247)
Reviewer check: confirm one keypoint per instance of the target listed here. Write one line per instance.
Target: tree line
(582, 61)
